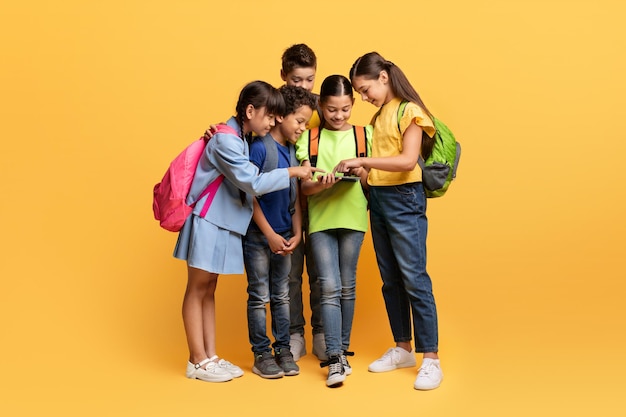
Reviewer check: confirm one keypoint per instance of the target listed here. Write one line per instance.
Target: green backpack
(439, 169)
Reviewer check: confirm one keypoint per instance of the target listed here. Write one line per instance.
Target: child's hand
(328, 180)
(348, 166)
(292, 244)
(358, 172)
(278, 244)
(208, 134)
(303, 172)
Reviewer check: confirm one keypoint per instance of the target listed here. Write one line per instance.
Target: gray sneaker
(284, 358)
(265, 366)
(319, 346)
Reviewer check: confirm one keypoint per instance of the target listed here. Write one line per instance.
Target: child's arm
(320, 183)
(296, 225)
(275, 241)
(405, 161)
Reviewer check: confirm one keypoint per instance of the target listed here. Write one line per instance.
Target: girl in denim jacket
(211, 245)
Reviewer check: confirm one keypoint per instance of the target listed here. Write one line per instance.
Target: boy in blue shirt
(299, 65)
(274, 233)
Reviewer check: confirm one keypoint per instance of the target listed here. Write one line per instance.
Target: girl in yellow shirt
(398, 214)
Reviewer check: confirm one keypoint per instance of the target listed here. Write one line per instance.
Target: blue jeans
(336, 254)
(296, 309)
(268, 282)
(399, 227)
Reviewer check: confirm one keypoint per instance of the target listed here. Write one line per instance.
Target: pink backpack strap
(210, 190)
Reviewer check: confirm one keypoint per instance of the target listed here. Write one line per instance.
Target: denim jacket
(229, 155)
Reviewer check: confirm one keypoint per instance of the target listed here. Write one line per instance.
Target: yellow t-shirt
(387, 140)
(314, 121)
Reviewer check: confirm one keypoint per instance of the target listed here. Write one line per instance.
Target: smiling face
(300, 77)
(294, 124)
(375, 91)
(259, 120)
(337, 111)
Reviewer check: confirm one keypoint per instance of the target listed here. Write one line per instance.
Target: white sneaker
(429, 375)
(394, 358)
(319, 346)
(208, 371)
(234, 370)
(297, 346)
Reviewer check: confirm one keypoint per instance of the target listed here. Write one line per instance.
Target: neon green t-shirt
(343, 206)
(387, 140)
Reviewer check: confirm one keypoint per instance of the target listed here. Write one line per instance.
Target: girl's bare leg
(200, 292)
(208, 311)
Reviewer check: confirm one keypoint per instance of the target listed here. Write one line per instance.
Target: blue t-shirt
(275, 205)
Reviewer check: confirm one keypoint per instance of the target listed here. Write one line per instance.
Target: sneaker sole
(335, 381)
(267, 376)
(237, 374)
(212, 379)
(427, 388)
(399, 366)
(292, 373)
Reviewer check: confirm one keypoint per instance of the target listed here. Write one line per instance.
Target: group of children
(298, 182)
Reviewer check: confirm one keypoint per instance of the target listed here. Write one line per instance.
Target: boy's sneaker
(208, 371)
(297, 346)
(429, 375)
(319, 346)
(394, 358)
(284, 358)
(233, 369)
(266, 367)
(336, 372)
(346, 365)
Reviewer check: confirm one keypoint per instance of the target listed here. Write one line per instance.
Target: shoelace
(335, 368)
(425, 370)
(391, 355)
(334, 363)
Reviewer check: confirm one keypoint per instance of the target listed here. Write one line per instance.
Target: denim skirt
(208, 247)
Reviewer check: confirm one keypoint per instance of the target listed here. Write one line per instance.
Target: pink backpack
(169, 201)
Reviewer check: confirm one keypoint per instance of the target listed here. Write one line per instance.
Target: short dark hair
(298, 55)
(296, 97)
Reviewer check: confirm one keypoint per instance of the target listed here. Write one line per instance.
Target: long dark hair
(370, 66)
(334, 86)
(259, 94)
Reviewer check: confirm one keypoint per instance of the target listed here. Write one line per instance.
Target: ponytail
(370, 66)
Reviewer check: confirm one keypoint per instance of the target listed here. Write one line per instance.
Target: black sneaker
(266, 367)
(336, 372)
(346, 365)
(284, 358)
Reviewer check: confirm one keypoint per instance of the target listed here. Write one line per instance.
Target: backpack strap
(401, 109)
(314, 139)
(211, 189)
(360, 140)
(271, 154)
(293, 182)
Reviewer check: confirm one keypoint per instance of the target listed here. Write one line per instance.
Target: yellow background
(526, 250)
